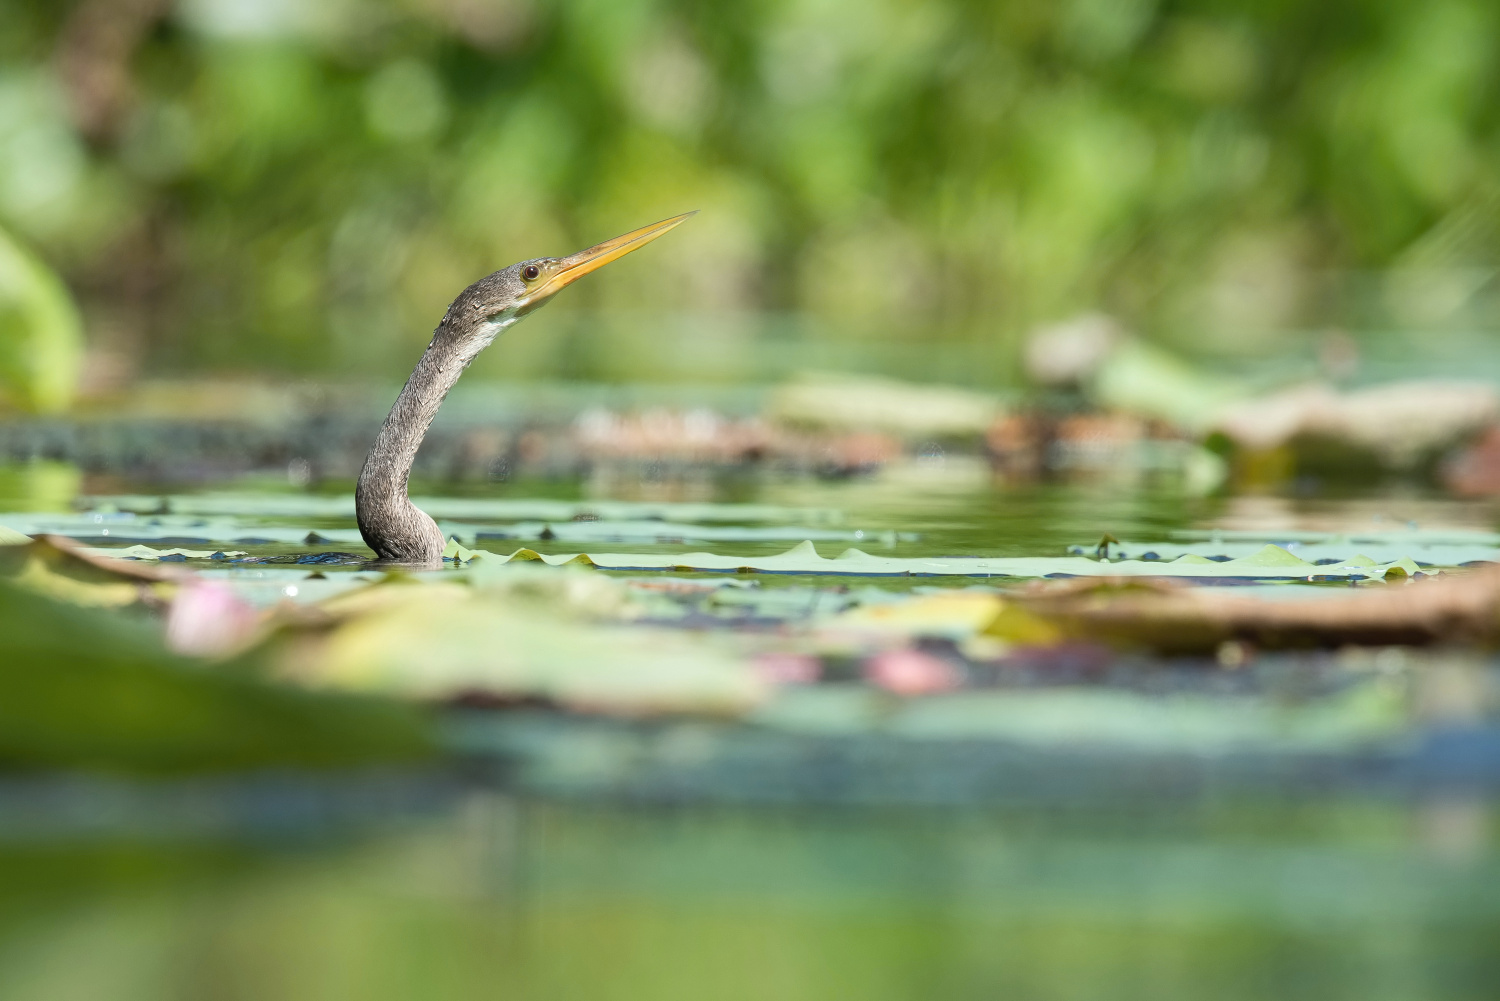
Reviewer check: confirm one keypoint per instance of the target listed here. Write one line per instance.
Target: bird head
(500, 299)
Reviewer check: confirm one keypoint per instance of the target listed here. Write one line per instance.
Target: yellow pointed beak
(568, 270)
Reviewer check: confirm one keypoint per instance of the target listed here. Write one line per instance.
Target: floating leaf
(456, 552)
(65, 571)
(1167, 617)
(945, 613)
(526, 634)
(147, 553)
(1270, 563)
(125, 528)
(1015, 623)
(1434, 548)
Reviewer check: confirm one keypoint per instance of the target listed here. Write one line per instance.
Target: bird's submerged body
(395, 528)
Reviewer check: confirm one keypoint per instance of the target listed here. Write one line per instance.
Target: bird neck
(391, 524)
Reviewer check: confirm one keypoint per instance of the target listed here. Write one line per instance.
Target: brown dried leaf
(1174, 618)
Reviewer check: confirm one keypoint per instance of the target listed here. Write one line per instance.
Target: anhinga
(391, 524)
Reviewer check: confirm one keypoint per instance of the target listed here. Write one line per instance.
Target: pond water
(466, 884)
(497, 897)
(927, 507)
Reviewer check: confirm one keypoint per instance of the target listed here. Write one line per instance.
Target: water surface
(459, 885)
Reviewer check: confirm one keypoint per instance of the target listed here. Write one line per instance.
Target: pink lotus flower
(911, 672)
(208, 619)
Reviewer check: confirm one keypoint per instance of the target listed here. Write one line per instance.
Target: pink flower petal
(911, 672)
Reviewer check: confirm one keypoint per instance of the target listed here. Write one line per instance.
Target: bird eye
(530, 272)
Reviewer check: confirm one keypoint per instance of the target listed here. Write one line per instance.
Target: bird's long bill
(574, 267)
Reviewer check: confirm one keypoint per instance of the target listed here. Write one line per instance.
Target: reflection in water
(505, 898)
(1389, 512)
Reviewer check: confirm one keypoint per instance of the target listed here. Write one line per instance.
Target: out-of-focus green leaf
(39, 485)
(41, 339)
(521, 632)
(1139, 379)
(952, 613)
(67, 572)
(85, 688)
(866, 403)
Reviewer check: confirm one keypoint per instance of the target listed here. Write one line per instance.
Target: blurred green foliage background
(300, 186)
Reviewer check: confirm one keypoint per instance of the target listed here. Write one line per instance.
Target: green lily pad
(456, 552)
(1269, 563)
(1449, 548)
(147, 553)
(525, 633)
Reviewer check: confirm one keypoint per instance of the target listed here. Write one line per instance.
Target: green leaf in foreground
(524, 632)
(89, 689)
